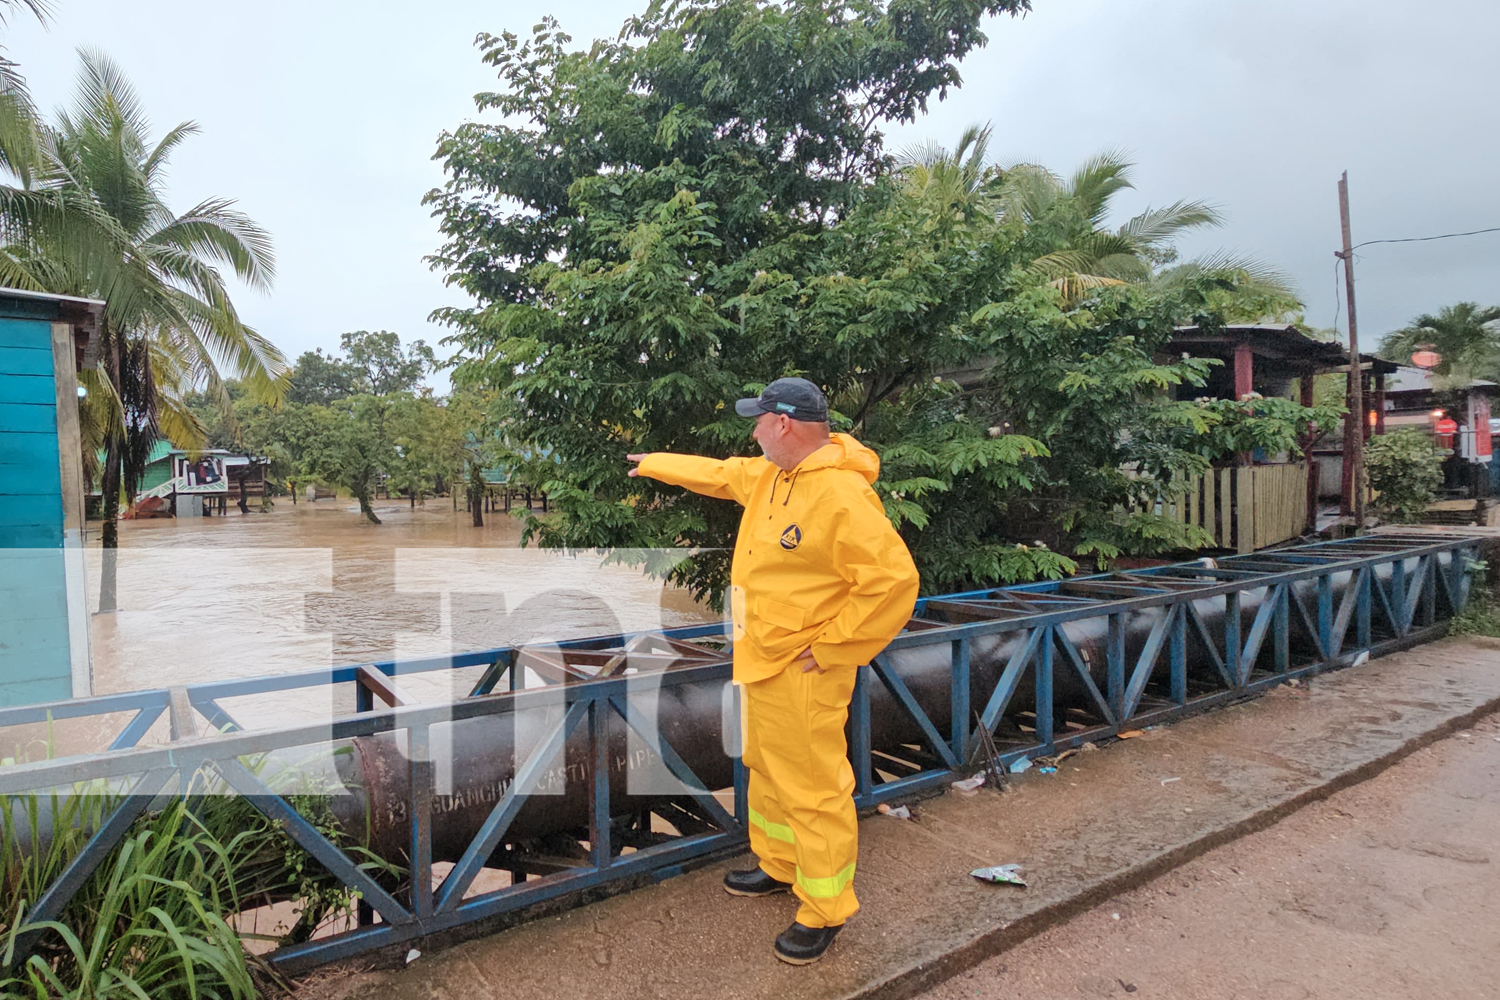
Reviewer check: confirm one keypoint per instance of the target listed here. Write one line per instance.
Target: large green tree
(669, 220)
(381, 366)
(321, 378)
(348, 443)
(658, 173)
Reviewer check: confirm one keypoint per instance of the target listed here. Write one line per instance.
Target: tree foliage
(1272, 426)
(1405, 471)
(319, 378)
(89, 216)
(669, 220)
(331, 429)
(1466, 336)
(350, 445)
(379, 364)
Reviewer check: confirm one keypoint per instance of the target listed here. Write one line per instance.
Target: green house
(44, 632)
(211, 474)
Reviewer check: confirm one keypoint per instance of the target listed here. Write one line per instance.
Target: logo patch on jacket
(791, 537)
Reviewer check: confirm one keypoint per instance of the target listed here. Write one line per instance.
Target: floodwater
(313, 585)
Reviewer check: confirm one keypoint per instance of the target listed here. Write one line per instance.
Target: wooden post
(1244, 371)
(1244, 510)
(1379, 404)
(70, 482)
(1367, 389)
(1354, 438)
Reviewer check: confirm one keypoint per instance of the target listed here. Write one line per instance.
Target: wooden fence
(1245, 508)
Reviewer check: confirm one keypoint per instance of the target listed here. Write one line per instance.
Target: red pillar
(1379, 404)
(1244, 371)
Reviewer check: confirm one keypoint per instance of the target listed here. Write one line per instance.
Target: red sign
(1447, 426)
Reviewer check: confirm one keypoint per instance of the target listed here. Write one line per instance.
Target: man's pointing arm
(727, 479)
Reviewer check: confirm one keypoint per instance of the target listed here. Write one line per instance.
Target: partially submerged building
(45, 340)
(193, 483)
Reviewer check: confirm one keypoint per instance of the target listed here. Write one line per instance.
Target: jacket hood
(844, 453)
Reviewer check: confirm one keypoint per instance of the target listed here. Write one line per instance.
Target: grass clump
(153, 921)
(149, 923)
(1481, 613)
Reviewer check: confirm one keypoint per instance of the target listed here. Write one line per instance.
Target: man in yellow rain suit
(821, 583)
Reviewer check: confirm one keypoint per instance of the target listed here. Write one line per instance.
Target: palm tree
(23, 158)
(954, 185)
(1466, 336)
(168, 326)
(1065, 220)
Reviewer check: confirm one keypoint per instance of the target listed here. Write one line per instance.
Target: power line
(1428, 239)
(1337, 302)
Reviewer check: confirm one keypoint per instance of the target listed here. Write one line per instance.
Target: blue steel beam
(310, 839)
(908, 702)
(679, 769)
(1085, 676)
(489, 834)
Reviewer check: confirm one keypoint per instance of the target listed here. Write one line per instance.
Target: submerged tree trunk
(110, 508)
(244, 497)
(363, 495)
(476, 495)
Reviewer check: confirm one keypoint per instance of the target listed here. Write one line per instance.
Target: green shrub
(1405, 470)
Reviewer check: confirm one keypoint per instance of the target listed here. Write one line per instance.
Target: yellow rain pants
(803, 826)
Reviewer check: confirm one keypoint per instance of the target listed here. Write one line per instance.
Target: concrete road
(1386, 891)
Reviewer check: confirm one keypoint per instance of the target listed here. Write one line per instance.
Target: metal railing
(1251, 621)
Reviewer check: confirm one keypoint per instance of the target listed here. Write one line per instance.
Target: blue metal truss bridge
(542, 748)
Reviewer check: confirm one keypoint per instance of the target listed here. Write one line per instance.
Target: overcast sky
(321, 118)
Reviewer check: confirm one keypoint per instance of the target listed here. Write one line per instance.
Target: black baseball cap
(796, 397)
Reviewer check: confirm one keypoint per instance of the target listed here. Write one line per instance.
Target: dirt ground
(1390, 889)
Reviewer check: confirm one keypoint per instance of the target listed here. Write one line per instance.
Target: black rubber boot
(799, 945)
(753, 883)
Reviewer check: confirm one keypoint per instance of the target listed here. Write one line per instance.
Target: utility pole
(1354, 423)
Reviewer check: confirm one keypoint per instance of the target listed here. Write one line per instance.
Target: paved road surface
(1387, 891)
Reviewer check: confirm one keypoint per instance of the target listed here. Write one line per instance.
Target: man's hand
(636, 459)
(806, 662)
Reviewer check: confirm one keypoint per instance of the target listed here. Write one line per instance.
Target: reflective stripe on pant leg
(826, 888)
(776, 831)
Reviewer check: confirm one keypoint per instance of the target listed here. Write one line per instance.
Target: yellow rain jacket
(816, 564)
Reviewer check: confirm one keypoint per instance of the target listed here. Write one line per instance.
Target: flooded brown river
(314, 585)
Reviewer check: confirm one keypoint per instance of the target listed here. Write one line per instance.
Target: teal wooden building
(44, 627)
